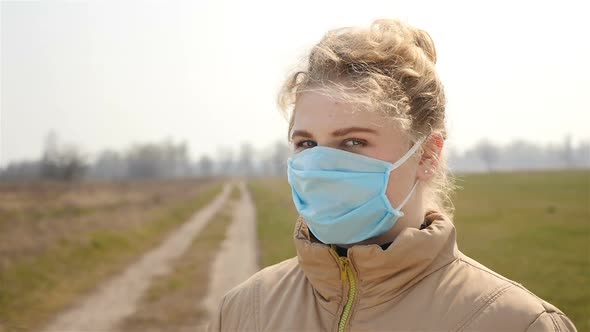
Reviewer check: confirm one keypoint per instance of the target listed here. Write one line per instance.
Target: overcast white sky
(111, 73)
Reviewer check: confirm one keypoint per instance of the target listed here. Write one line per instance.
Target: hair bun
(423, 40)
(403, 39)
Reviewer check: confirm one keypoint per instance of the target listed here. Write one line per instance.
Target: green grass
(533, 228)
(276, 218)
(33, 290)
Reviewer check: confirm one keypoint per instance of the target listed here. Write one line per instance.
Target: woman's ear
(432, 150)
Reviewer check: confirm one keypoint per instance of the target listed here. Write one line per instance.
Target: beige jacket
(422, 282)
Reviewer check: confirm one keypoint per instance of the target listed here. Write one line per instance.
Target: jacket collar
(381, 275)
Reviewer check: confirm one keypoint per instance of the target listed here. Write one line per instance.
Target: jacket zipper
(347, 273)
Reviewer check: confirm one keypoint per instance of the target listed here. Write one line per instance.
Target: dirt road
(237, 259)
(103, 309)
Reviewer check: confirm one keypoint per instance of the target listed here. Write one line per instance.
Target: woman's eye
(305, 144)
(353, 143)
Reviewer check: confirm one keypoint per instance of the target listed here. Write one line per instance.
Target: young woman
(376, 246)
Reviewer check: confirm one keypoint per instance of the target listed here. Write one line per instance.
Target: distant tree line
(167, 159)
(521, 155)
(57, 162)
(161, 160)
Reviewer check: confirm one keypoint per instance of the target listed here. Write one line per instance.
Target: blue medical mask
(341, 195)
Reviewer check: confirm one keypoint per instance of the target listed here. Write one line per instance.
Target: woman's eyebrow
(344, 131)
(302, 133)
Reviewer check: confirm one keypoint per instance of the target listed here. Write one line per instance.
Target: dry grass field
(57, 241)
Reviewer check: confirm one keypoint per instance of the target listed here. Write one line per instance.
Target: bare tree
(64, 163)
(568, 152)
(109, 165)
(583, 155)
(72, 164)
(21, 170)
(245, 166)
(225, 161)
(163, 160)
(279, 159)
(205, 166)
(50, 158)
(488, 153)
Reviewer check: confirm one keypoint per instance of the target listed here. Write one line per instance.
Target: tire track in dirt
(237, 259)
(115, 299)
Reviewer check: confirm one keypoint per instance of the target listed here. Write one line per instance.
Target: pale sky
(106, 74)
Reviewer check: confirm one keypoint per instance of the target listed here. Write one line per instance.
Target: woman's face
(323, 121)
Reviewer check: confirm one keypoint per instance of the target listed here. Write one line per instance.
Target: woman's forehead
(316, 110)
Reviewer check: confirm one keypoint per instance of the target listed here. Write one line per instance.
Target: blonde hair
(389, 67)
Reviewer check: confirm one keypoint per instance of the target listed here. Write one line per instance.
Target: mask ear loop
(408, 154)
(401, 161)
(409, 195)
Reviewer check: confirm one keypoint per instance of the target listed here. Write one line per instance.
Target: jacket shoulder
(266, 277)
(241, 306)
(507, 305)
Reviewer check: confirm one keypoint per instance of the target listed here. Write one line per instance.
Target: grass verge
(276, 218)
